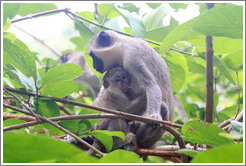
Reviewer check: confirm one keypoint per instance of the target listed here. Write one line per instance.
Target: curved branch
(122, 114)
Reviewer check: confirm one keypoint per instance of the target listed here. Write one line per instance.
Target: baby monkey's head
(117, 77)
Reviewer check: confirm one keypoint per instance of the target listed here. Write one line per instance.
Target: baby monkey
(117, 94)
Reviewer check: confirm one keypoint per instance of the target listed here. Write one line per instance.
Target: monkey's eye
(117, 80)
(104, 39)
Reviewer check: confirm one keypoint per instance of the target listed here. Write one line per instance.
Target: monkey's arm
(136, 104)
(146, 79)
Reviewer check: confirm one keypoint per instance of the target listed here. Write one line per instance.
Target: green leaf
(158, 34)
(7, 25)
(88, 15)
(234, 59)
(9, 11)
(107, 9)
(21, 57)
(10, 36)
(121, 156)
(153, 19)
(22, 148)
(178, 70)
(224, 70)
(232, 153)
(204, 133)
(62, 72)
(84, 31)
(136, 24)
(225, 20)
(15, 74)
(33, 8)
(130, 7)
(76, 125)
(105, 137)
(47, 107)
(182, 32)
(188, 152)
(60, 88)
(178, 5)
(154, 5)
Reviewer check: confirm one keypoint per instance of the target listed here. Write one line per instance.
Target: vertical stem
(209, 76)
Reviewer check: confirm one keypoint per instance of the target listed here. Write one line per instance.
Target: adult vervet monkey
(148, 71)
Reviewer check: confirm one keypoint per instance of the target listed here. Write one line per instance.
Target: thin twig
(40, 14)
(175, 148)
(25, 118)
(59, 118)
(141, 151)
(123, 114)
(75, 16)
(62, 129)
(41, 41)
(177, 135)
(22, 104)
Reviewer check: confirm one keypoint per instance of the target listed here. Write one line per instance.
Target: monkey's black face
(97, 63)
(104, 39)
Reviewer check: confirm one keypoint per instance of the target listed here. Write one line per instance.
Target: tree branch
(122, 114)
(44, 119)
(152, 152)
(67, 11)
(209, 76)
(40, 14)
(25, 118)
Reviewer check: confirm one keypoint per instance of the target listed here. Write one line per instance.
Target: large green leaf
(204, 133)
(232, 153)
(178, 70)
(20, 78)
(234, 59)
(224, 70)
(105, 137)
(136, 24)
(21, 57)
(60, 88)
(23, 148)
(108, 10)
(225, 20)
(221, 45)
(33, 8)
(154, 18)
(47, 107)
(121, 156)
(182, 32)
(158, 34)
(62, 72)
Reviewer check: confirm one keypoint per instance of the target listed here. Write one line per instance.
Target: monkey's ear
(105, 84)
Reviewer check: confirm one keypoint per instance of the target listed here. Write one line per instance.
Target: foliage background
(182, 45)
